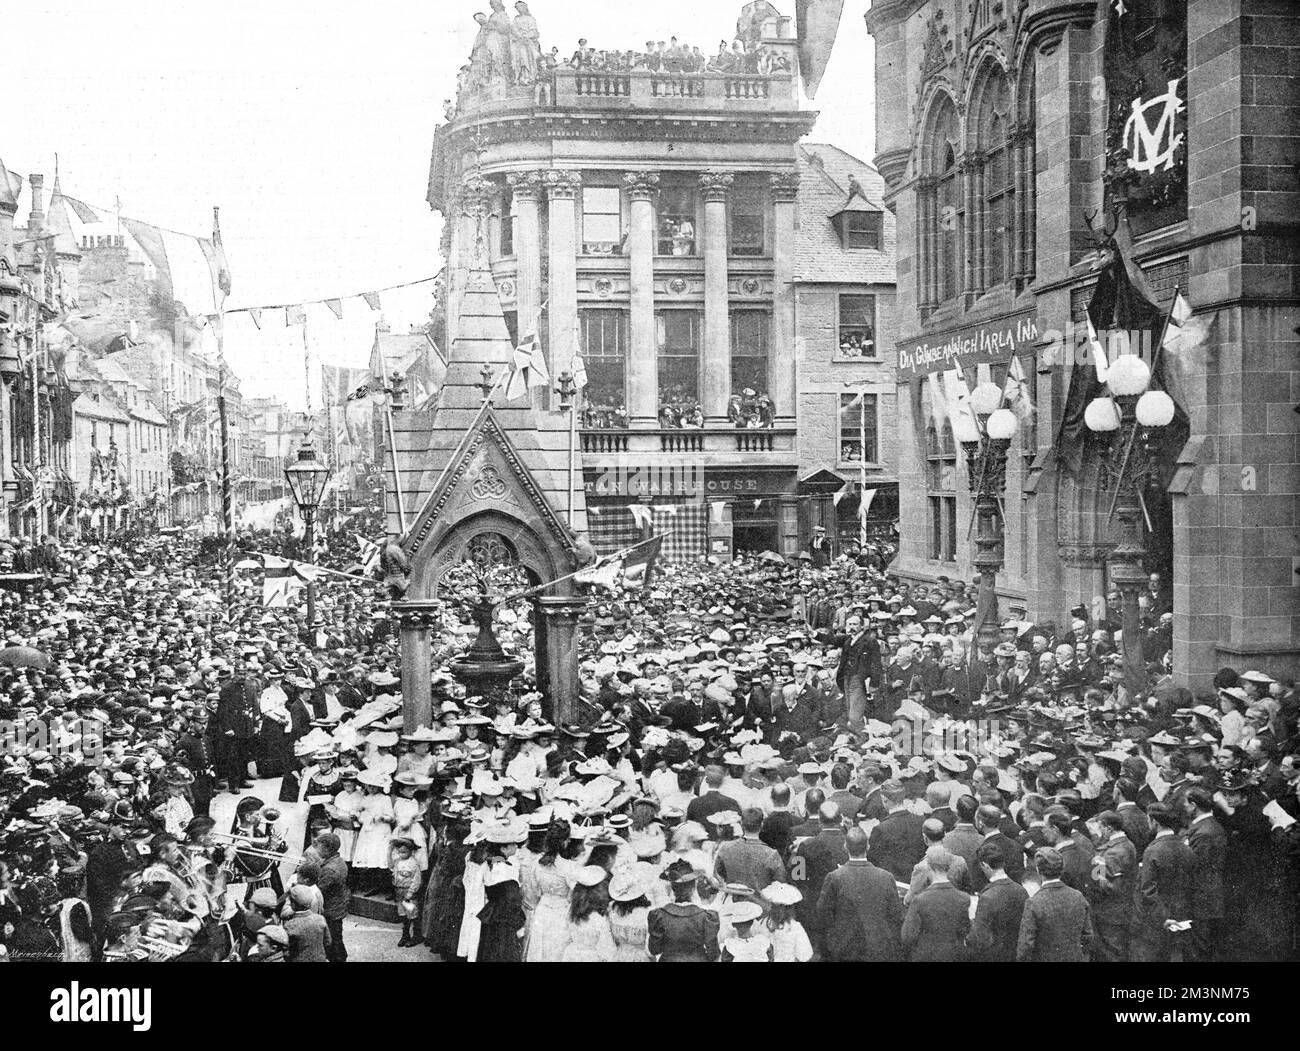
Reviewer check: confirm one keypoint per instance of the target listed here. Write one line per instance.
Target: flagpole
(392, 435)
(227, 496)
(319, 569)
(862, 468)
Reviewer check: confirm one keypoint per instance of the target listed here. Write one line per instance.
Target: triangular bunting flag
(295, 315)
(255, 316)
(372, 299)
(336, 307)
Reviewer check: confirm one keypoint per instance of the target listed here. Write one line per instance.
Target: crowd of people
(674, 57)
(772, 762)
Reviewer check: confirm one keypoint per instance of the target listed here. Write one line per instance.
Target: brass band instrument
(246, 845)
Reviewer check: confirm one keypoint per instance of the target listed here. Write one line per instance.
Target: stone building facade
(654, 223)
(1001, 128)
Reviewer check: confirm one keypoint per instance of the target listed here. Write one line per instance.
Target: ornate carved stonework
(489, 485)
(784, 185)
(475, 197)
(641, 186)
(1085, 555)
(938, 47)
(526, 185)
(716, 185)
(563, 185)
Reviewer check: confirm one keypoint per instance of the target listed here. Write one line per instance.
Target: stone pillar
(716, 379)
(562, 187)
(527, 189)
(785, 188)
(416, 619)
(557, 656)
(643, 363)
(472, 205)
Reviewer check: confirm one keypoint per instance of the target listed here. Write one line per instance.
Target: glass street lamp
(986, 468)
(307, 477)
(1134, 416)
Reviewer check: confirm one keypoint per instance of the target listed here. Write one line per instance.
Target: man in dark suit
(963, 839)
(1056, 926)
(711, 800)
(988, 820)
(840, 795)
(995, 930)
(1078, 863)
(778, 826)
(1209, 845)
(870, 778)
(1136, 825)
(897, 843)
(938, 920)
(1113, 883)
(860, 915)
(1163, 892)
(816, 858)
(923, 872)
(859, 670)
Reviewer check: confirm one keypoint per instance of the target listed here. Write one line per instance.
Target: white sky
(310, 122)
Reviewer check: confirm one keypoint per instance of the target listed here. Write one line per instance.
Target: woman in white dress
(590, 939)
(408, 815)
(629, 917)
(790, 942)
(547, 886)
(375, 818)
(475, 896)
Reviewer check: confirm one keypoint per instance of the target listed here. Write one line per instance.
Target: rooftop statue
(525, 46)
(749, 26)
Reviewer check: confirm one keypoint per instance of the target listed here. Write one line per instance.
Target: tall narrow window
(604, 353)
(941, 493)
(509, 209)
(857, 327)
(747, 208)
(749, 352)
(950, 226)
(602, 220)
(858, 441)
(676, 219)
(995, 250)
(678, 339)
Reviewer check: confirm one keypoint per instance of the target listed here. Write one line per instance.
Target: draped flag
(835, 500)
(864, 503)
(640, 515)
(631, 568)
(528, 368)
(295, 315)
(960, 414)
(1016, 393)
(716, 509)
(369, 553)
(579, 373)
(336, 307)
(1184, 343)
(255, 316)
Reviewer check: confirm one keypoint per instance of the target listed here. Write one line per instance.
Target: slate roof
(820, 256)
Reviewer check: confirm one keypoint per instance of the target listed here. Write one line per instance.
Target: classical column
(557, 656)
(470, 208)
(527, 188)
(785, 188)
(643, 363)
(416, 619)
(967, 169)
(562, 187)
(716, 382)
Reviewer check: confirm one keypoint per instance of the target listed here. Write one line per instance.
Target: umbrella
(24, 657)
(771, 556)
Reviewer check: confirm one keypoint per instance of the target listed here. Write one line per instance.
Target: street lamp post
(986, 468)
(566, 389)
(1134, 415)
(307, 477)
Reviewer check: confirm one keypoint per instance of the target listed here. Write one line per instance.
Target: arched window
(940, 208)
(995, 249)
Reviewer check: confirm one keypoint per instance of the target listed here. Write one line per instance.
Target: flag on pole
(528, 368)
(835, 500)
(369, 553)
(640, 515)
(938, 401)
(960, 414)
(864, 503)
(285, 578)
(716, 510)
(579, 373)
(631, 568)
(1097, 353)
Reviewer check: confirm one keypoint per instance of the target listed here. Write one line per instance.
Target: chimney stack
(36, 221)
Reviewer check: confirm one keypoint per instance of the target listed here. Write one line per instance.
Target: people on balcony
(674, 57)
(858, 345)
(603, 417)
